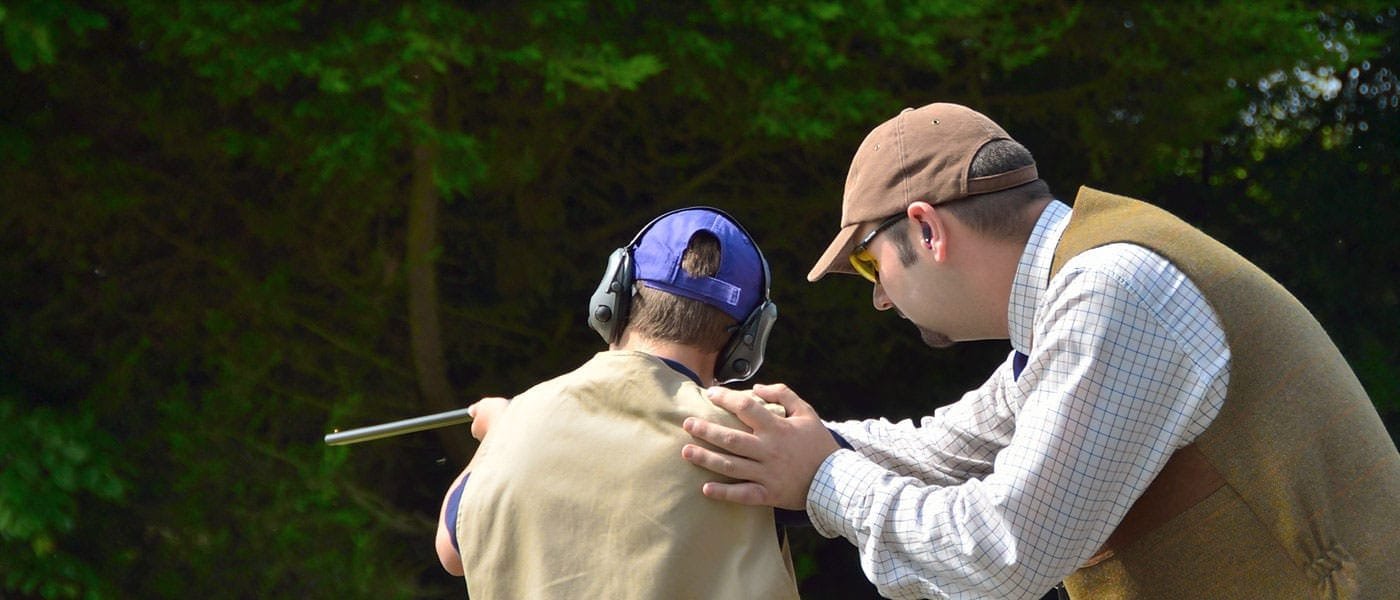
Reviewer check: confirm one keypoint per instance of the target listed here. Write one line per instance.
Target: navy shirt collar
(683, 370)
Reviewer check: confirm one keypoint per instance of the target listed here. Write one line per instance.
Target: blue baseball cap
(738, 288)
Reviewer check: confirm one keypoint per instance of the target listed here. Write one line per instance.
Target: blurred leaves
(34, 30)
(50, 462)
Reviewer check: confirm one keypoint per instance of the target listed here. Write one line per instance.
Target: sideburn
(905, 248)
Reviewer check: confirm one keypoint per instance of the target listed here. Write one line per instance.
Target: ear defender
(610, 307)
(743, 355)
(928, 235)
(611, 303)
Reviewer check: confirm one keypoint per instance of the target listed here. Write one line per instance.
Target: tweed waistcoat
(1294, 490)
(580, 491)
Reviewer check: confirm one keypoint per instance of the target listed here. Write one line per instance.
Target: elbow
(449, 557)
(453, 568)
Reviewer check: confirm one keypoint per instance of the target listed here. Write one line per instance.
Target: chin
(935, 339)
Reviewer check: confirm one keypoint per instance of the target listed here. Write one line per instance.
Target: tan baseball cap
(920, 154)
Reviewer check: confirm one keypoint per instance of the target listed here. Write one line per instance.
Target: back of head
(694, 277)
(1001, 214)
(671, 317)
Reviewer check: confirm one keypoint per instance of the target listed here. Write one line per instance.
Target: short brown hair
(1001, 214)
(668, 317)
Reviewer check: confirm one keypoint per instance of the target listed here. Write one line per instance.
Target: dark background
(227, 228)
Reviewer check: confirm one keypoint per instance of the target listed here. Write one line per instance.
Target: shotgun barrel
(383, 430)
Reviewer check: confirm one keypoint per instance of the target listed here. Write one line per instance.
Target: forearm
(927, 541)
(958, 442)
(1080, 457)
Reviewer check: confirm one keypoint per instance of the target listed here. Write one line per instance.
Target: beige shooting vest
(1294, 490)
(580, 492)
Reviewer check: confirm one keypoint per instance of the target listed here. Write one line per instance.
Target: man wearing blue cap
(577, 493)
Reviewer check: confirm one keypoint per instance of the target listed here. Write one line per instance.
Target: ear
(933, 229)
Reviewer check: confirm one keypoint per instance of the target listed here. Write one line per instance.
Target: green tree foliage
(33, 30)
(228, 227)
(1303, 185)
(49, 465)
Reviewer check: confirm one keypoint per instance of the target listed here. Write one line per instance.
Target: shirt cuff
(799, 518)
(840, 495)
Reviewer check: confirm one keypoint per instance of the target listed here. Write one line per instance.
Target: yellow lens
(865, 264)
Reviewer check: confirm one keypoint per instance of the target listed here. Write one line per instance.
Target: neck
(995, 271)
(702, 362)
(986, 269)
(996, 287)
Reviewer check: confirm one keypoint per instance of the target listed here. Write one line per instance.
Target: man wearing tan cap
(1170, 422)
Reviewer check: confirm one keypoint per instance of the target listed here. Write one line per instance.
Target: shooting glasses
(861, 259)
(375, 432)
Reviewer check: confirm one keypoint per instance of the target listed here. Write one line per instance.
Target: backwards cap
(920, 154)
(739, 286)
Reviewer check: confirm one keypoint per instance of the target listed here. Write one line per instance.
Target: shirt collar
(682, 369)
(1033, 274)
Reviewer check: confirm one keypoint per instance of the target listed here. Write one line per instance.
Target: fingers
(781, 394)
(736, 467)
(729, 439)
(744, 404)
(746, 492)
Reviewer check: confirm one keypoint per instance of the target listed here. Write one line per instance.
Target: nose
(879, 299)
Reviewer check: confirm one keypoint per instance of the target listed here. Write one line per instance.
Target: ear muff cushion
(743, 355)
(609, 307)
